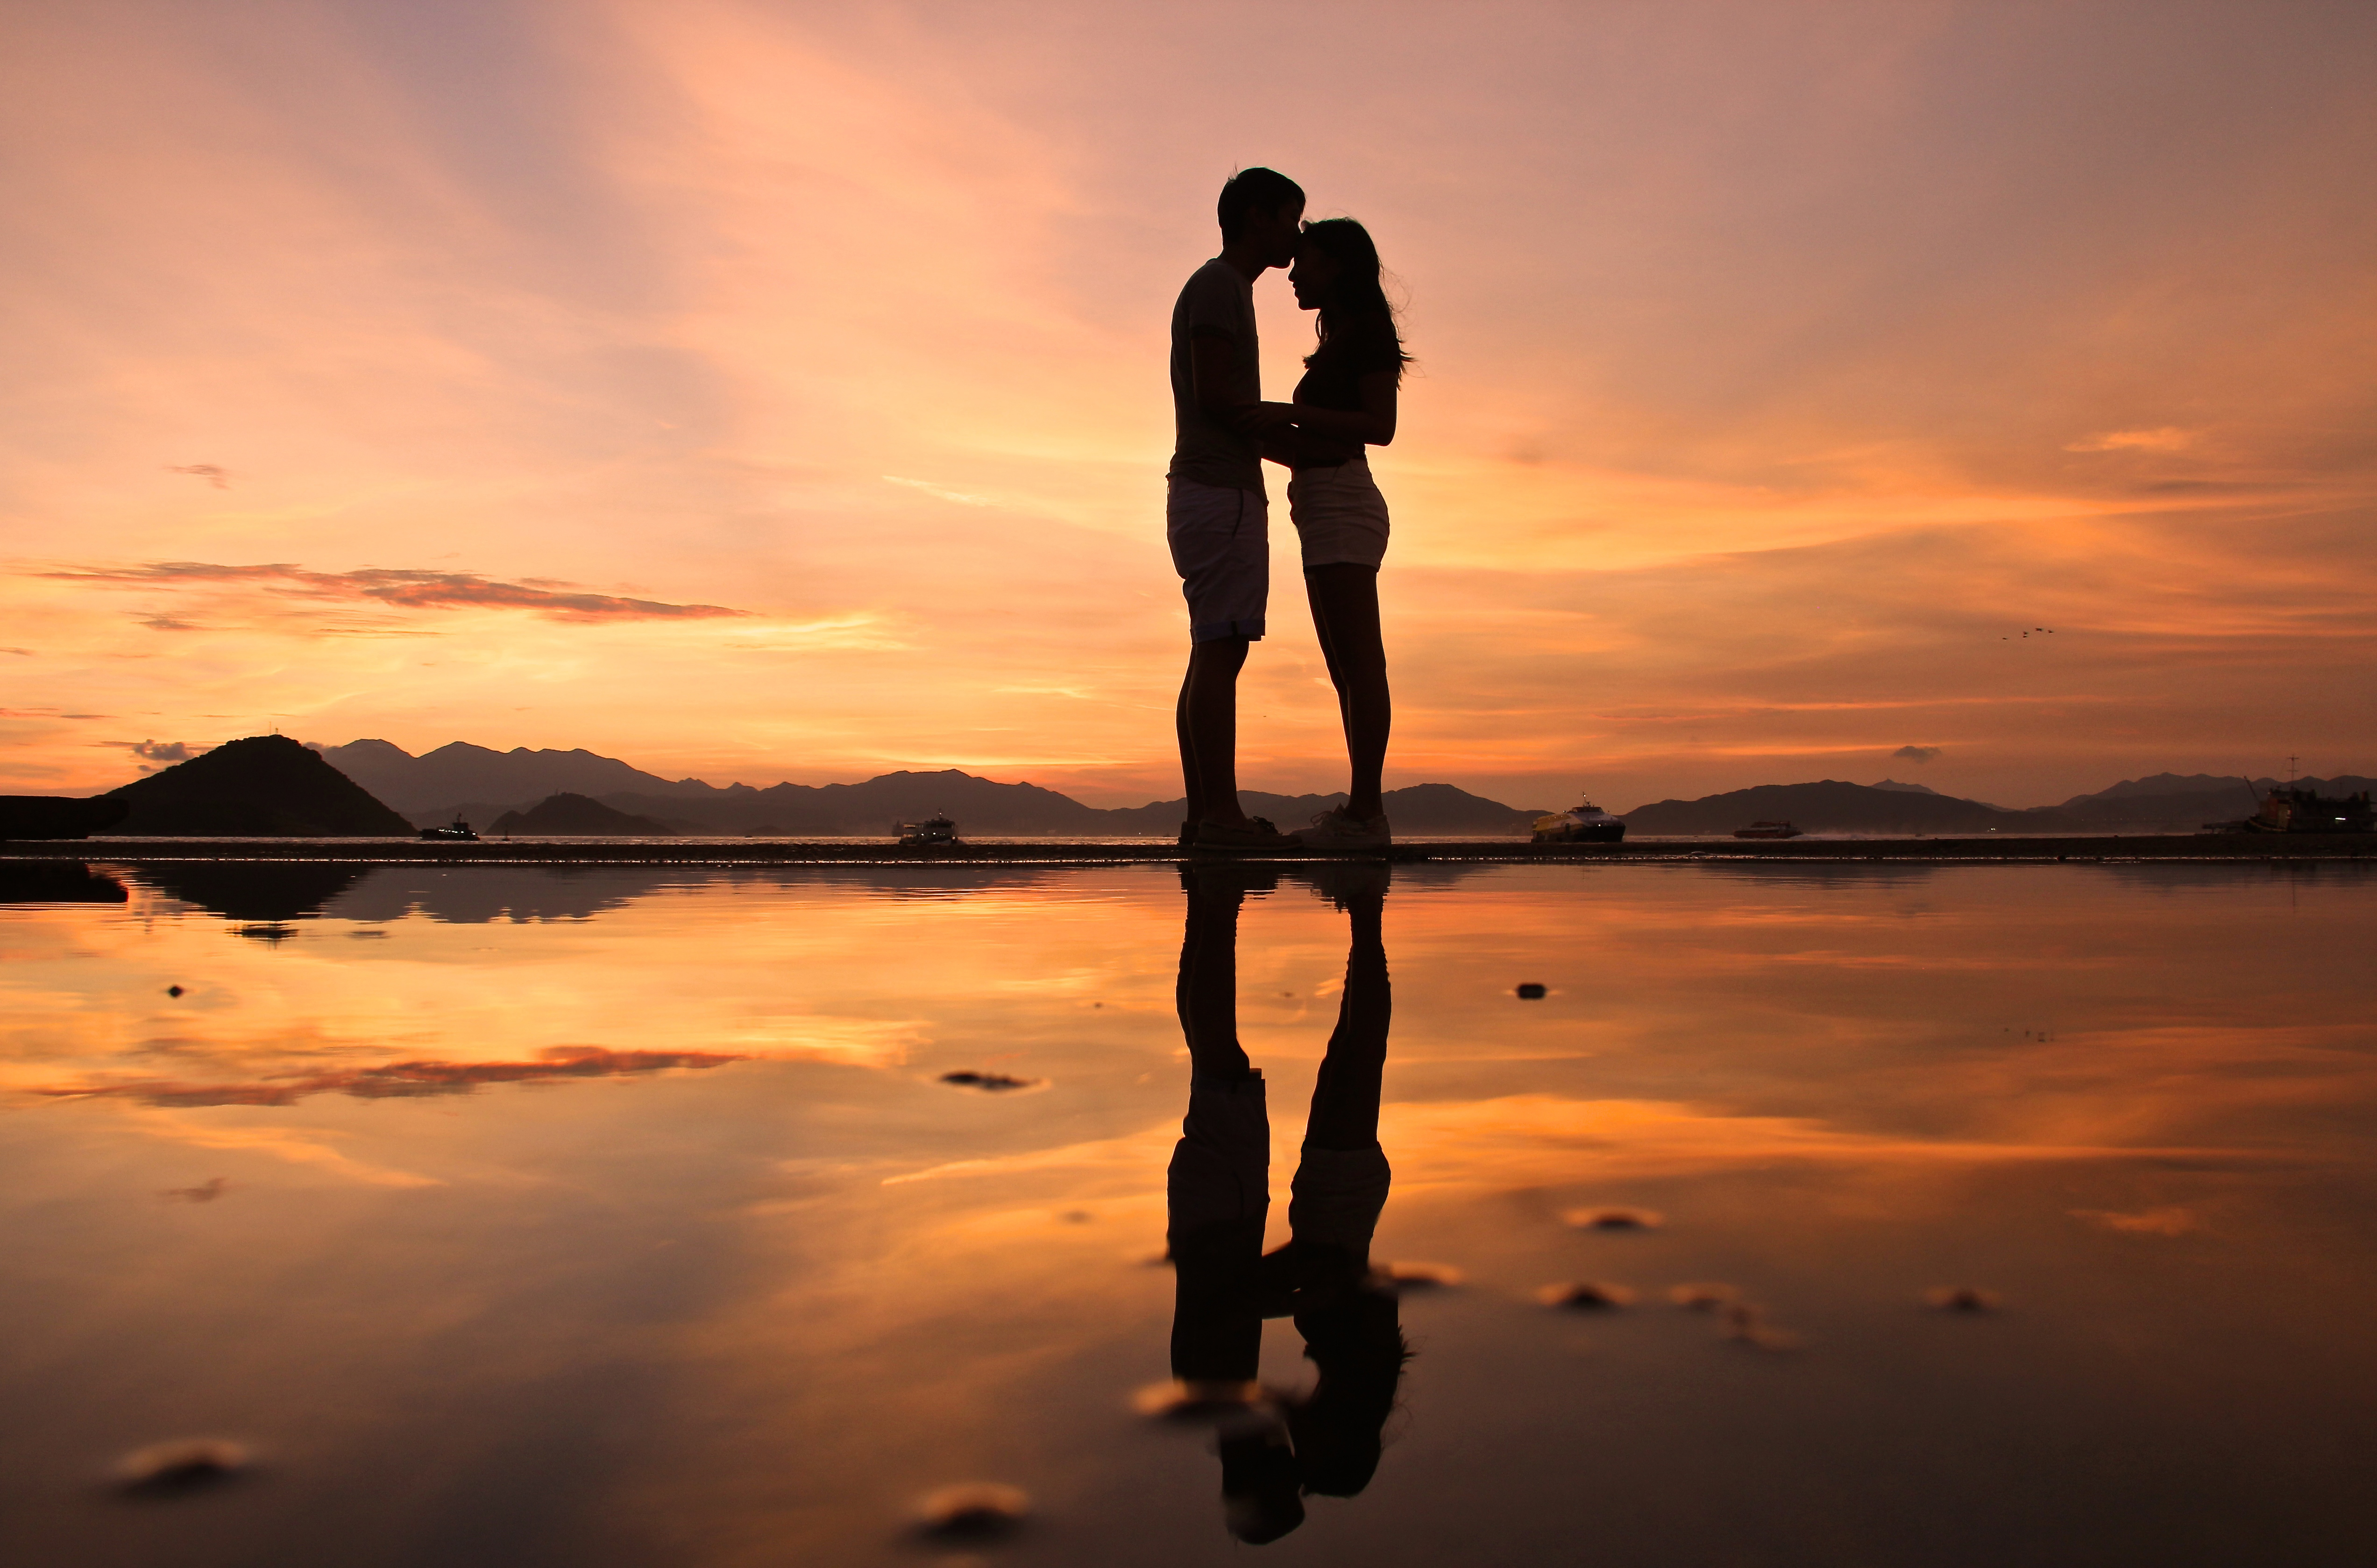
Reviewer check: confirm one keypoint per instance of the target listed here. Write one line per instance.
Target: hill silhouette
(1827, 805)
(264, 785)
(576, 814)
(977, 804)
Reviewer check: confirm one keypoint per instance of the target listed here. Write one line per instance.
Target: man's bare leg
(1208, 722)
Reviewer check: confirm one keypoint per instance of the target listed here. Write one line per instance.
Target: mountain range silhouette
(272, 786)
(481, 786)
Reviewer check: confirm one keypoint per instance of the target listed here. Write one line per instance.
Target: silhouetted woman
(1344, 405)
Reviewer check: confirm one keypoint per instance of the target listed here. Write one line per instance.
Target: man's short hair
(1254, 190)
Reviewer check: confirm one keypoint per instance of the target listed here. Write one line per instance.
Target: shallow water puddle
(1810, 1215)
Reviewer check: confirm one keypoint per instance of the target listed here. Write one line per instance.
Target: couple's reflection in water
(1276, 1448)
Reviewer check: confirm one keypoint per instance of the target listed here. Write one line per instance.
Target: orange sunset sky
(777, 391)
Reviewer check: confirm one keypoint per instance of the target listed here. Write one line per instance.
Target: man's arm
(1213, 366)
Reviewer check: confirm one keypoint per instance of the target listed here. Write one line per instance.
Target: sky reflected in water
(624, 1215)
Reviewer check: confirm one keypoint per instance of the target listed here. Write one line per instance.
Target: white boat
(1583, 823)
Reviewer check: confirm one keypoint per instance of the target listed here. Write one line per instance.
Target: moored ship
(457, 831)
(1583, 823)
(935, 829)
(1767, 829)
(2291, 810)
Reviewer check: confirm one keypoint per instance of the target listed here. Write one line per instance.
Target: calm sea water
(628, 1217)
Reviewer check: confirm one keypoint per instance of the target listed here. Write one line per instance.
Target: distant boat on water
(935, 829)
(1767, 829)
(1583, 823)
(455, 831)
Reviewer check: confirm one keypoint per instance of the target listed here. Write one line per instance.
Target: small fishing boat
(1585, 823)
(934, 830)
(455, 831)
(1767, 829)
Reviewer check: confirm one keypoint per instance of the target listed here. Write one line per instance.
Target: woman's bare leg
(1345, 599)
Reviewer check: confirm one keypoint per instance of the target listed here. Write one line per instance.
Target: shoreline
(2252, 847)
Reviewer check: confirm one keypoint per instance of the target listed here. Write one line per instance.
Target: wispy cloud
(960, 496)
(300, 1145)
(405, 588)
(2169, 438)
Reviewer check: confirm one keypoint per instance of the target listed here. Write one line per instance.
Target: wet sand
(1766, 1212)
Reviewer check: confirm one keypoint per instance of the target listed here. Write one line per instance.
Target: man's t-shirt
(1218, 301)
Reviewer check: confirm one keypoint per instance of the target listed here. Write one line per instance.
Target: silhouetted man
(1216, 514)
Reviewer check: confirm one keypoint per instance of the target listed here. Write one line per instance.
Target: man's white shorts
(1339, 514)
(1221, 547)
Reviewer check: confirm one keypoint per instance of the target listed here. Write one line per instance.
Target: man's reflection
(1327, 1441)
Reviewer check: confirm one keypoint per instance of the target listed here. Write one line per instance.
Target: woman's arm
(1374, 427)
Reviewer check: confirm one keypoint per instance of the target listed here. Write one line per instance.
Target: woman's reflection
(1276, 1448)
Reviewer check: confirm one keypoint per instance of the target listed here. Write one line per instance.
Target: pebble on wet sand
(1962, 1298)
(1702, 1296)
(973, 1511)
(1745, 1324)
(1531, 991)
(1407, 1277)
(1585, 1295)
(180, 1467)
(989, 1083)
(1613, 1219)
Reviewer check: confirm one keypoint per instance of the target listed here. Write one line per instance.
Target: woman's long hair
(1357, 321)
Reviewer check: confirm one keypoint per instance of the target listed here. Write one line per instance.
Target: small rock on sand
(973, 1511)
(1613, 1218)
(989, 1083)
(181, 1466)
(1702, 1296)
(1962, 1298)
(1585, 1295)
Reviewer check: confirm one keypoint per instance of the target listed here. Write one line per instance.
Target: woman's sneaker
(1252, 833)
(1339, 828)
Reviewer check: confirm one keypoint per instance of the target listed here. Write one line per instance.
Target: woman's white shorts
(1339, 514)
